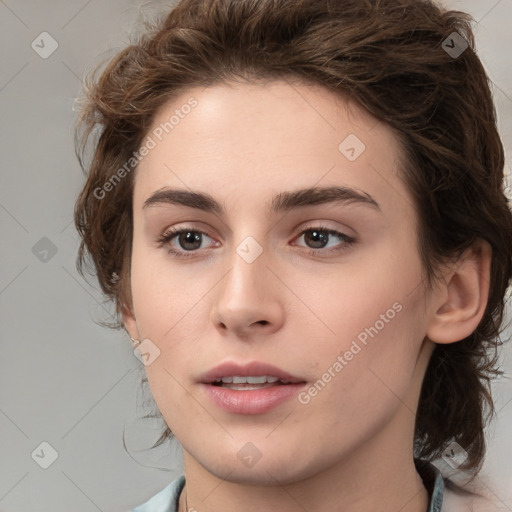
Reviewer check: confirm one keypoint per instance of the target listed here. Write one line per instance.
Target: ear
(129, 321)
(461, 301)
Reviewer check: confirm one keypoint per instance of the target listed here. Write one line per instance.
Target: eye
(318, 238)
(187, 241)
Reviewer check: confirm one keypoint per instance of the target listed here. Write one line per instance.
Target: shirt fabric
(168, 498)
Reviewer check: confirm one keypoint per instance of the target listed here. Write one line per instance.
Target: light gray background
(63, 379)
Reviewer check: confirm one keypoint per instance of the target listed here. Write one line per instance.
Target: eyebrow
(282, 202)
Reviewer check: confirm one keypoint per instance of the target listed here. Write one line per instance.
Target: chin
(279, 469)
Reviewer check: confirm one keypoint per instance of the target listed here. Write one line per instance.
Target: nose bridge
(247, 276)
(246, 297)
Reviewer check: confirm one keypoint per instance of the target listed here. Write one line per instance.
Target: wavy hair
(406, 62)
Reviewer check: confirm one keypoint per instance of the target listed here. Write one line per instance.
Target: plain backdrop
(68, 387)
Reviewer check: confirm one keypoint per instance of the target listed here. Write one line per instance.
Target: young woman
(298, 209)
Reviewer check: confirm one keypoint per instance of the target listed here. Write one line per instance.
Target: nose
(247, 303)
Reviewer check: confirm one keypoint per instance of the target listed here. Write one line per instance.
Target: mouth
(253, 388)
(242, 376)
(242, 383)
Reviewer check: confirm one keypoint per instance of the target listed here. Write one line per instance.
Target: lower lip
(254, 401)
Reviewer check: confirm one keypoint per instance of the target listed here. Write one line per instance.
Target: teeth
(248, 380)
(247, 387)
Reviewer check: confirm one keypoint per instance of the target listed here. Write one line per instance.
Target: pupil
(319, 238)
(190, 237)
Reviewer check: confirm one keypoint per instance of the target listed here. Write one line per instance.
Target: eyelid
(164, 241)
(347, 240)
(171, 233)
(320, 224)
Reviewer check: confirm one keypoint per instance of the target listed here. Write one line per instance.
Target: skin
(350, 447)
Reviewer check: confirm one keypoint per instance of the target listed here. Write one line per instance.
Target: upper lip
(255, 368)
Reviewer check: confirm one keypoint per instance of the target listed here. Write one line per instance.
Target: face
(324, 286)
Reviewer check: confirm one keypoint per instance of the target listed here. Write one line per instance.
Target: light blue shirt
(167, 499)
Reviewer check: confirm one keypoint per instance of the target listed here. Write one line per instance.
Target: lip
(254, 401)
(255, 368)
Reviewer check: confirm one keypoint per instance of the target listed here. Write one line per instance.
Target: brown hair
(392, 57)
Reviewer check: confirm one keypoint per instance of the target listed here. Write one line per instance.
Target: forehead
(250, 141)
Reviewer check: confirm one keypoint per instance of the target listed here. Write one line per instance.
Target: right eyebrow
(199, 200)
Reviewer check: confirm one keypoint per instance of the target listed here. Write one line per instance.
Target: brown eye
(189, 240)
(317, 238)
(184, 242)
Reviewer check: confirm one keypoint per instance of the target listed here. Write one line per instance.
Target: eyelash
(165, 239)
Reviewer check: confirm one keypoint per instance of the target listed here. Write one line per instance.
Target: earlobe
(463, 297)
(130, 323)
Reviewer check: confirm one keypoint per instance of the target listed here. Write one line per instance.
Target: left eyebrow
(321, 195)
(282, 202)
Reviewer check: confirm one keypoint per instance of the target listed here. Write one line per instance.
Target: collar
(434, 483)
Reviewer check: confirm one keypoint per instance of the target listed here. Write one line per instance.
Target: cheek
(361, 376)
(371, 317)
(356, 300)
(164, 295)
